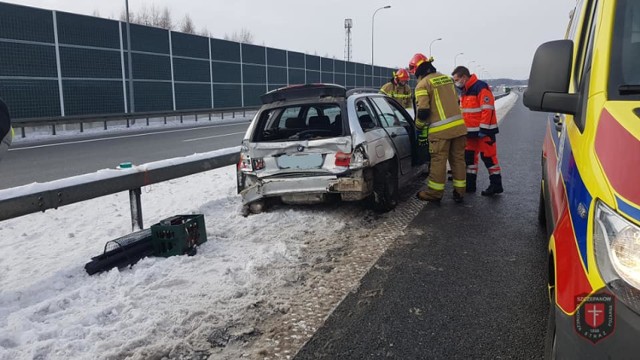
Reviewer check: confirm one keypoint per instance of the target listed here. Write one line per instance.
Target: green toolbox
(178, 235)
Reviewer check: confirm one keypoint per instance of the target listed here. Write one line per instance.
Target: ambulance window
(624, 76)
(581, 40)
(583, 88)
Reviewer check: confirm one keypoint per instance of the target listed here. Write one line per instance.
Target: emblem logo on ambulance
(595, 318)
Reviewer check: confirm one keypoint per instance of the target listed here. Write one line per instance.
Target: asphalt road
(467, 281)
(56, 159)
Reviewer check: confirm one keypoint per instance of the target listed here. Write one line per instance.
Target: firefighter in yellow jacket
(398, 88)
(439, 117)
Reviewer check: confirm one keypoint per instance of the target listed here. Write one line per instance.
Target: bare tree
(165, 21)
(96, 13)
(243, 36)
(151, 16)
(187, 25)
(205, 32)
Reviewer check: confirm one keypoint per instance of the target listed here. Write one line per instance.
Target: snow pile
(50, 308)
(503, 105)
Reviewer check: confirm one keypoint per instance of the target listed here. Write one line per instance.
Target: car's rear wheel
(385, 187)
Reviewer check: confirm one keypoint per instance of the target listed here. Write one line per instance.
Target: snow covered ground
(259, 288)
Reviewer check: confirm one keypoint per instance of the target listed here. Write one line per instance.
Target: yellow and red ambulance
(590, 193)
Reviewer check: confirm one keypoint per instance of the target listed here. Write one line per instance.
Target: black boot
(471, 183)
(495, 186)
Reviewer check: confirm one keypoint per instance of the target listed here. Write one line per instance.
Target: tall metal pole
(132, 107)
(438, 39)
(373, 19)
(455, 59)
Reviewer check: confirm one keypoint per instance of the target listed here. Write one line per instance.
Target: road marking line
(124, 137)
(213, 136)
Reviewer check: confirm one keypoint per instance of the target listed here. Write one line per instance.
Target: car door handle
(393, 135)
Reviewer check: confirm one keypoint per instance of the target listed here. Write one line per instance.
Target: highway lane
(467, 281)
(56, 159)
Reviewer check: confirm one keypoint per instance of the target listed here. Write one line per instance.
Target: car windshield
(300, 122)
(624, 80)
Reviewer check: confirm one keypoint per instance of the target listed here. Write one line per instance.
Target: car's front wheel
(385, 187)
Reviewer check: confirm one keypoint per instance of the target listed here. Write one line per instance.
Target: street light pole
(373, 19)
(438, 39)
(471, 62)
(132, 107)
(455, 59)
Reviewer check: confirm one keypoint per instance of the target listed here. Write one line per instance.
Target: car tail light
(343, 159)
(245, 163)
(258, 164)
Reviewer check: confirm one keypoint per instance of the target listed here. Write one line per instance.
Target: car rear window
(624, 77)
(300, 122)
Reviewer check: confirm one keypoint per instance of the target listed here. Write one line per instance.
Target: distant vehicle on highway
(589, 196)
(309, 143)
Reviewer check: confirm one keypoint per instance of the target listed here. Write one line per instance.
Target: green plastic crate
(178, 235)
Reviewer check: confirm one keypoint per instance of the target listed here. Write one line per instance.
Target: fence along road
(55, 63)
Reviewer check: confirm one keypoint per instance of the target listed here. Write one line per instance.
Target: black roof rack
(362, 91)
(303, 91)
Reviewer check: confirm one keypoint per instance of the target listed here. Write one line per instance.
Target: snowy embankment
(258, 288)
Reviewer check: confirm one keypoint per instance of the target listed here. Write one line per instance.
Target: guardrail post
(136, 209)
(233, 114)
(196, 117)
(81, 127)
(22, 131)
(222, 115)
(165, 119)
(147, 121)
(53, 129)
(105, 124)
(180, 118)
(209, 116)
(127, 122)
(244, 113)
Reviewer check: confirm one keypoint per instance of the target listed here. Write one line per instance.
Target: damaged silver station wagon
(309, 143)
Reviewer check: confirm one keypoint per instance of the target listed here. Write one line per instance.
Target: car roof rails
(303, 91)
(362, 91)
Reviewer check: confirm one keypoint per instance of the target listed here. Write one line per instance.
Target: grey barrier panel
(78, 190)
(83, 54)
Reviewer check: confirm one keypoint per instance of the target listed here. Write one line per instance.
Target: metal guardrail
(28, 199)
(105, 118)
(499, 96)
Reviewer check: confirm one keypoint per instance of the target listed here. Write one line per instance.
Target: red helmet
(401, 75)
(416, 61)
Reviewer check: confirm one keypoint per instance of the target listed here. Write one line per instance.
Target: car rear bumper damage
(306, 190)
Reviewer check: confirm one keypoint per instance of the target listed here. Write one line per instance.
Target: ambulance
(590, 188)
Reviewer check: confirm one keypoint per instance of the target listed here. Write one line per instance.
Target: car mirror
(549, 79)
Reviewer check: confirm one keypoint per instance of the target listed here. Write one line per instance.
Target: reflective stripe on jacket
(437, 93)
(402, 93)
(478, 108)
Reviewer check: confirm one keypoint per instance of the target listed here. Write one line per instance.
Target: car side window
(387, 116)
(366, 117)
(400, 115)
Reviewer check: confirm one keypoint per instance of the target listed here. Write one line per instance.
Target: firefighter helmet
(401, 75)
(417, 60)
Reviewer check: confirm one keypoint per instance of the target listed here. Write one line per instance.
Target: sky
(499, 36)
(268, 266)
